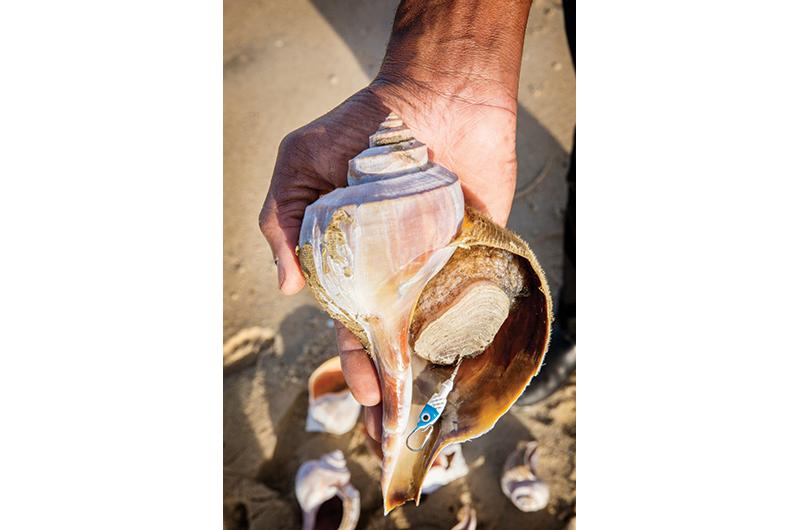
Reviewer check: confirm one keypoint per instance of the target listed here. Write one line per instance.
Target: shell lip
(533, 348)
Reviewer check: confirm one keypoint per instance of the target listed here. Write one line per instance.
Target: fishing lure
(432, 411)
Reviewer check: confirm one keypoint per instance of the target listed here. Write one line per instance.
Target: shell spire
(393, 152)
(392, 130)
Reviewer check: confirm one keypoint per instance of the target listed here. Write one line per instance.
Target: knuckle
(290, 141)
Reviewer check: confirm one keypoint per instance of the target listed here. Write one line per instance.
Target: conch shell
(438, 294)
(519, 481)
(331, 406)
(319, 481)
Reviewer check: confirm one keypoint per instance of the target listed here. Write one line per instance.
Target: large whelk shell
(424, 282)
(331, 406)
(320, 481)
(519, 481)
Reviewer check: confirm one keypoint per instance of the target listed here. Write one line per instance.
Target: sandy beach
(286, 63)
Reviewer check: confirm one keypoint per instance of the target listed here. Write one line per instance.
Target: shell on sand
(467, 518)
(448, 466)
(425, 282)
(331, 406)
(519, 481)
(318, 481)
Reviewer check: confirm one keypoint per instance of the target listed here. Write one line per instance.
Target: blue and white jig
(432, 411)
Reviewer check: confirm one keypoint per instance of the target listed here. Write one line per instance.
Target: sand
(286, 63)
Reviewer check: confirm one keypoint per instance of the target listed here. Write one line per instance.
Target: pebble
(333, 79)
(536, 92)
(279, 43)
(557, 66)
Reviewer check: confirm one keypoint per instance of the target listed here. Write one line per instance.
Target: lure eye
(425, 417)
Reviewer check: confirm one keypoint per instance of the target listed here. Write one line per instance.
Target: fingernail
(281, 277)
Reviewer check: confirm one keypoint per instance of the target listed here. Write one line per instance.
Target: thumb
(282, 239)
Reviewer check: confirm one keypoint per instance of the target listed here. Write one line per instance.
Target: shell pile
(428, 286)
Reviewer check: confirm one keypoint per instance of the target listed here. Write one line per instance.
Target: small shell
(519, 481)
(331, 406)
(448, 466)
(467, 518)
(318, 481)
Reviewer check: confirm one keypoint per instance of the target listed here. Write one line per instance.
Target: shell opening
(463, 307)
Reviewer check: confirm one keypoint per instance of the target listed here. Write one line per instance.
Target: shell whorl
(393, 152)
(392, 130)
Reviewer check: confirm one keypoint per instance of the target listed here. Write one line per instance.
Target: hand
(471, 134)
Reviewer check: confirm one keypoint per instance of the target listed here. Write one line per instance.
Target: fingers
(373, 418)
(362, 378)
(359, 372)
(283, 241)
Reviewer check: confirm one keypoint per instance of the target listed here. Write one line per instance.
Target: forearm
(469, 49)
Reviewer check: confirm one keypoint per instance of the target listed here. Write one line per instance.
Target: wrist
(464, 50)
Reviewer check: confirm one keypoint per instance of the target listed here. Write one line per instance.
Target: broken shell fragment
(467, 518)
(331, 406)
(325, 494)
(448, 466)
(454, 309)
(519, 481)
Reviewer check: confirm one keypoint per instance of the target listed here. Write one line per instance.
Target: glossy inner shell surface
(327, 379)
(489, 383)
